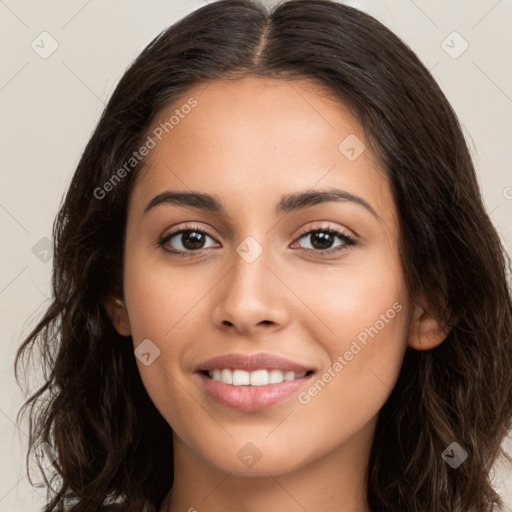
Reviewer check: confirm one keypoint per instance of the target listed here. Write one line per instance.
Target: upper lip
(250, 362)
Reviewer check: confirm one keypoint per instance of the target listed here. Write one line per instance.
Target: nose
(251, 297)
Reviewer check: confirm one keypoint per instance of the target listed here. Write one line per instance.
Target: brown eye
(186, 240)
(192, 239)
(321, 240)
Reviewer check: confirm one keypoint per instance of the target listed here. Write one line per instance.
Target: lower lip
(252, 398)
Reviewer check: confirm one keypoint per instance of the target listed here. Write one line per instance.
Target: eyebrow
(287, 203)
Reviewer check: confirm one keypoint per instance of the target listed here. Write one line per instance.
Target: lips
(245, 395)
(251, 362)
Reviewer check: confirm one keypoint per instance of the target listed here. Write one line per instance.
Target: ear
(118, 315)
(425, 331)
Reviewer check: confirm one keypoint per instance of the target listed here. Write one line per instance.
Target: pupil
(192, 240)
(323, 238)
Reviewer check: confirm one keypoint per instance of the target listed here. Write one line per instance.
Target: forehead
(253, 139)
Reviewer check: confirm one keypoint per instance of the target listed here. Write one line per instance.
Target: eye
(321, 240)
(189, 239)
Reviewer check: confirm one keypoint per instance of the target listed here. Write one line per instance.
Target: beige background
(50, 106)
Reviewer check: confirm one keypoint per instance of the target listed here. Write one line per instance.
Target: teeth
(240, 378)
(275, 376)
(254, 378)
(226, 376)
(260, 378)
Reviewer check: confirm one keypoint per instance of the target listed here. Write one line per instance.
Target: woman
(275, 283)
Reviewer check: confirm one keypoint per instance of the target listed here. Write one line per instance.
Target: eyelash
(348, 240)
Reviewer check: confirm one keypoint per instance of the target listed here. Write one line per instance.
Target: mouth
(252, 391)
(252, 382)
(261, 377)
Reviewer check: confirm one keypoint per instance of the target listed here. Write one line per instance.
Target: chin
(240, 463)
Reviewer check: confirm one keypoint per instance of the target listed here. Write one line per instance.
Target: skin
(249, 142)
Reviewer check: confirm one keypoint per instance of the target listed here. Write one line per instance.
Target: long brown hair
(93, 410)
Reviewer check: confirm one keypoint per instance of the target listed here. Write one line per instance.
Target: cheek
(161, 302)
(161, 297)
(355, 296)
(365, 359)
(364, 313)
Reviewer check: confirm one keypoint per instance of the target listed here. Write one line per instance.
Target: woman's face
(249, 278)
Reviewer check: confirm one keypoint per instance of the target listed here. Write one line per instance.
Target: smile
(249, 391)
(261, 377)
